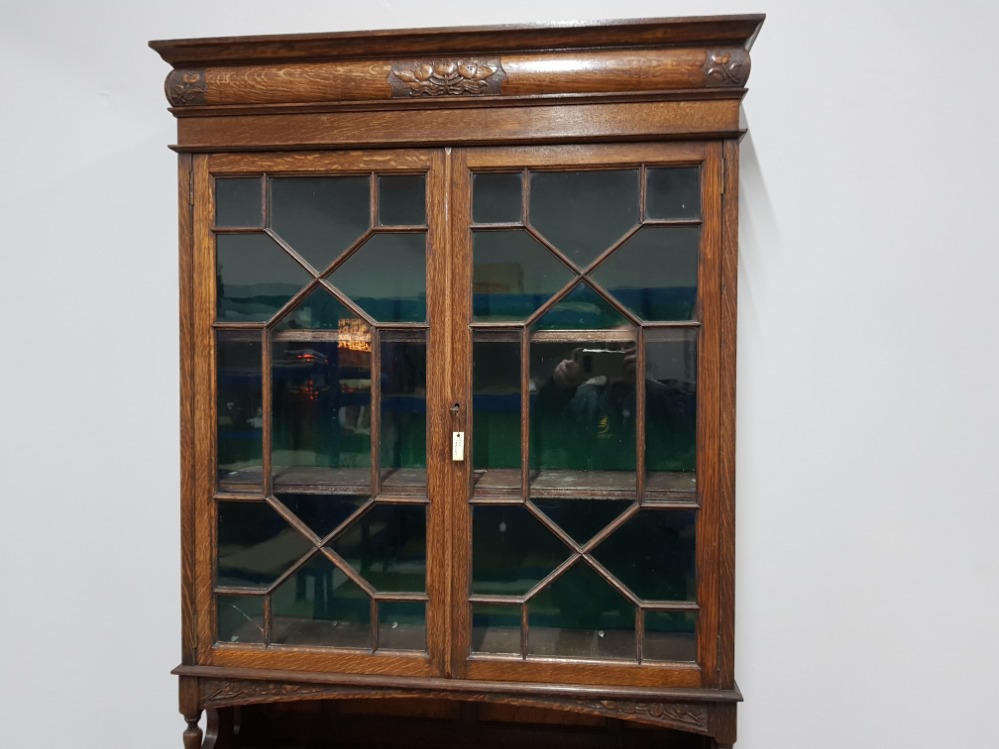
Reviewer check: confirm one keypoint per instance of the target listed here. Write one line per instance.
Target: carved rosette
(726, 67)
(186, 88)
(446, 77)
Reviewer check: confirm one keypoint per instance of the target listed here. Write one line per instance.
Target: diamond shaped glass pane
(386, 277)
(255, 277)
(514, 274)
(584, 213)
(319, 605)
(654, 273)
(511, 550)
(387, 545)
(322, 513)
(320, 217)
(582, 518)
(653, 554)
(320, 310)
(580, 615)
(581, 309)
(255, 544)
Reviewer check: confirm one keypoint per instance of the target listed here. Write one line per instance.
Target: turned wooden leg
(192, 734)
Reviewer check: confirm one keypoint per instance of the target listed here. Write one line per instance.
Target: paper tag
(457, 446)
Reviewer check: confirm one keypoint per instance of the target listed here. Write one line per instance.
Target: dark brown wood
(446, 103)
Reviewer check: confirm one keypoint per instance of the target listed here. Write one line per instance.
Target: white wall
(868, 568)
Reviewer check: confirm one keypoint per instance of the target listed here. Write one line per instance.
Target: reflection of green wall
(496, 437)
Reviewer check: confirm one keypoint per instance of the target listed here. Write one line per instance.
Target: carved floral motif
(677, 715)
(727, 67)
(186, 87)
(446, 77)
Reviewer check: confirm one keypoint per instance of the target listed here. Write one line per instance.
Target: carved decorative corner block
(185, 88)
(446, 77)
(726, 67)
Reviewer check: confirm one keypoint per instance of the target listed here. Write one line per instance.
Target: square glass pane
(496, 198)
(239, 202)
(496, 406)
(240, 618)
(673, 193)
(240, 411)
(496, 628)
(670, 636)
(402, 625)
(402, 200)
(319, 605)
(404, 415)
(671, 412)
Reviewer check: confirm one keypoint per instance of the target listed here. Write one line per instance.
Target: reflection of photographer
(586, 415)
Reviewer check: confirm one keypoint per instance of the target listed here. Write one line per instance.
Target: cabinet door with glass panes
(590, 330)
(312, 296)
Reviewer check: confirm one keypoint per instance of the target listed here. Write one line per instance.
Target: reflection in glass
(404, 414)
(254, 277)
(671, 413)
(402, 625)
(670, 636)
(496, 628)
(319, 605)
(320, 310)
(240, 618)
(653, 555)
(402, 200)
(320, 217)
(581, 309)
(496, 411)
(580, 615)
(584, 213)
(321, 403)
(239, 202)
(255, 545)
(582, 519)
(496, 198)
(240, 411)
(387, 545)
(674, 193)
(386, 277)
(511, 550)
(514, 274)
(322, 513)
(654, 273)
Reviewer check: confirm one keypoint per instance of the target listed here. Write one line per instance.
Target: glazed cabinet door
(317, 311)
(587, 283)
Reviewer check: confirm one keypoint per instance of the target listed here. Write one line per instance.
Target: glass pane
(387, 545)
(511, 550)
(580, 615)
(240, 618)
(321, 403)
(319, 605)
(670, 636)
(239, 202)
(402, 200)
(402, 625)
(255, 545)
(653, 555)
(674, 193)
(583, 518)
(404, 416)
(322, 513)
(496, 416)
(584, 213)
(240, 411)
(254, 277)
(386, 277)
(496, 628)
(320, 217)
(581, 309)
(583, 417)
(513, 275)
(496, 198)
(320, 310)
(671, 411)
(654, 273)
